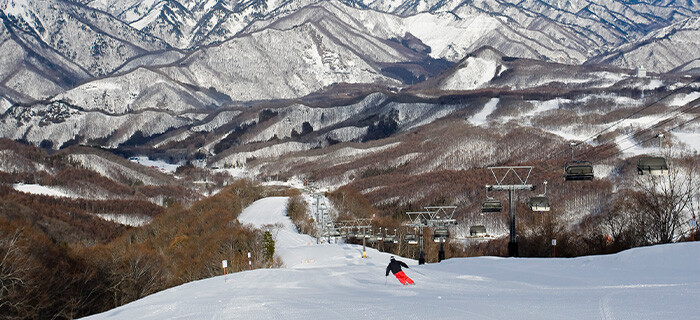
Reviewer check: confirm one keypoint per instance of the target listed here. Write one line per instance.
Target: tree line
(47, 275)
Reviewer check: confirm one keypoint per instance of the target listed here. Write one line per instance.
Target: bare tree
(16, 283)
(662, 203)
(618, 219)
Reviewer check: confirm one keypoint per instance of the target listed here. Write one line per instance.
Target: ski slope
(332, 281)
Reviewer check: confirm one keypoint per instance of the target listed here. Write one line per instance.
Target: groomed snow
(475, 73)
(480, 118)
(156, 164)
(42, 190)
(332, 281)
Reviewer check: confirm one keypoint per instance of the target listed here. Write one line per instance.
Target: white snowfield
(332, 281)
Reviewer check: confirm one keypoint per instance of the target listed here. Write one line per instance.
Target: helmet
(392, 258)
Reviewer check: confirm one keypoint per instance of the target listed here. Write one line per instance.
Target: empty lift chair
(655, 166)
(490, 204)
(411, 239)
(478, 231)
(578, 170)
(540, 202)
(440, 234)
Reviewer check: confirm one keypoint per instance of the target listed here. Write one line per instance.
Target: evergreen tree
(269, 245)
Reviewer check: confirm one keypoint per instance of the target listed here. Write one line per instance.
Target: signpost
(554, 248)
(224, 264)
(693, 227)
(250, 263)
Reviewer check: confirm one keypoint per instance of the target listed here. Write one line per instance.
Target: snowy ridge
(112, 170)
(660, 51)
(333, 281)
(332, 42)
(10, 161)
(57, 123)
(136, 91)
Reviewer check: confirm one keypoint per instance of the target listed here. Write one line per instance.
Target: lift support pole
(511, 188)
(513, 242)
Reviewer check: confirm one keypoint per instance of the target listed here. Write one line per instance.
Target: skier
(395, 267)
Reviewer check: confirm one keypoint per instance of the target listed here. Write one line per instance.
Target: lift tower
(518, 181)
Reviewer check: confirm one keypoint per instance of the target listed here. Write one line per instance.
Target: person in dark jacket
(395, 267)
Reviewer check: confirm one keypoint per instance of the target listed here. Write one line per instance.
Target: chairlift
(410, 238)
(380, 237)
(578, 170)
(541, 202)
(491, 205)
(654, 166)
(477, 231)
(391, 238)
(440, 234)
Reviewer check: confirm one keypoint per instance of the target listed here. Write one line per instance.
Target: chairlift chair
(578, 170)
(380, 237)
(539, 203)
(440, 234)
(477, 231)
(491, 205)
(654, 166)
(410, 238)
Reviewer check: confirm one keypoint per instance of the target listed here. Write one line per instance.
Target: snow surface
(480, 118)
(155, 164)
(332, 281)
(475, 73)
(42, 190)
(126, 219)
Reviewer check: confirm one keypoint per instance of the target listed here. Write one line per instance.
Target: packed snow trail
(333, 281)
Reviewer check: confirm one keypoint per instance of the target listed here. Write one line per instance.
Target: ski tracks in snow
(605, 310)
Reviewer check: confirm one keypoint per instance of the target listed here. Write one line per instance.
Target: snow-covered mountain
(53, 46)
(663, 50)
(115, 73)
(334, 281)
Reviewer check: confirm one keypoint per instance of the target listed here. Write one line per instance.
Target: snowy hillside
(660, 51)
(333, 281)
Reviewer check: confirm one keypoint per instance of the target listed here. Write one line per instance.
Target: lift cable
(672, 129)
(636, 134)
(638, 111)
(666, 118)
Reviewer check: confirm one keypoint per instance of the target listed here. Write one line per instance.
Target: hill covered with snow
(334, 281)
